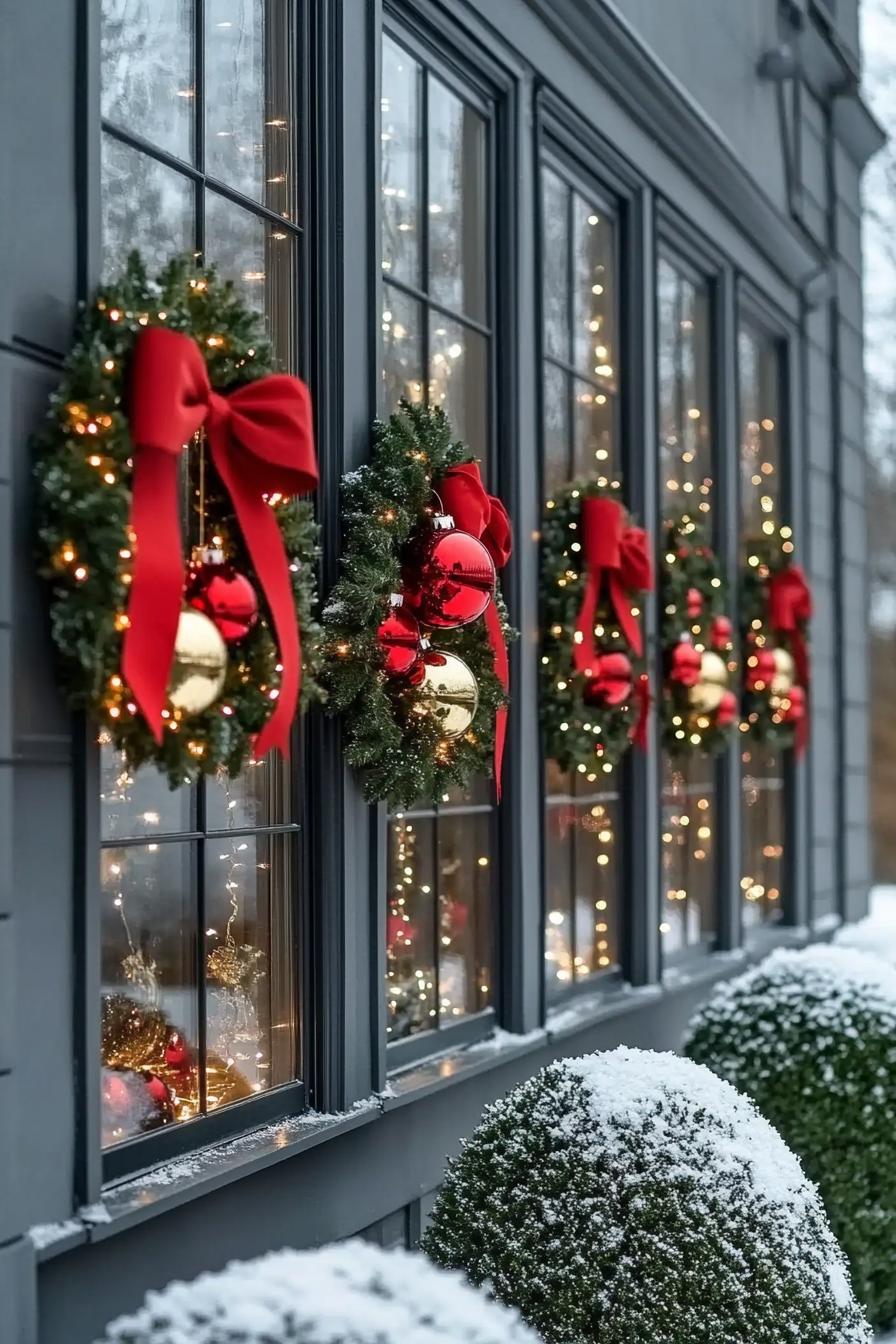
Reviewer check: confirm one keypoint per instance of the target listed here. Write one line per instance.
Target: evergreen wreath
(698, 708)
(84, 474)
(582, 731)
(391, 735)
(775, 694)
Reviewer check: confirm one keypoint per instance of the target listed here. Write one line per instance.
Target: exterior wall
(373, 1171)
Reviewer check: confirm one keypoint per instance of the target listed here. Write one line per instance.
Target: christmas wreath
(168, 410)
(776, 609)
(596, 567)
(415, 631)
(698, 705)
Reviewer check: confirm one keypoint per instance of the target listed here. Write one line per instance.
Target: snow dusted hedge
(353, 1293)
(633, 1196)
(811, 1037)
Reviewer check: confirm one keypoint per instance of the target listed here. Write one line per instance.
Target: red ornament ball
(454, 583)
(611, 684)
(760, 669)
(224, 595)
(721, 632)
(177, 1056)
(399, 639)
(400, 933)
(685, 664)
(726, 712)
(694, 602)
(795, 711)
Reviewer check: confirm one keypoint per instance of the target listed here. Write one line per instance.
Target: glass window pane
(555, 261)
(260, 796)
(556, 429)
(763, 820)
(147, 70)
(260, 258)
(145, 206)
(139, 802)
(402, 354)
(410, 928)
(249, 100)
(560, 827)
(689, 853)
(400, 165)
(251, 1026)
(596, 888)
(149, 988)
(458, 380)
(457, 204)
(685, 424)
(760, 444)
(594, 438)
(465, 933)
(594, 293)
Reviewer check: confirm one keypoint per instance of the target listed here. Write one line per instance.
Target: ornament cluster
(777, 606)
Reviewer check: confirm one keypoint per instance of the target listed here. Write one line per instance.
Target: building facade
(604, 236)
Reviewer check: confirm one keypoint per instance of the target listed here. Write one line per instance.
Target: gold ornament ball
(450, 691)
(199, 666)
(713, 683)
(785, 672)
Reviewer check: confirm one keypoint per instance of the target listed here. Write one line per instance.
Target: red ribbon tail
(502, 672)
(639, 731)
(800, 657)
(629, 624)
(584, 654)
(157, 584)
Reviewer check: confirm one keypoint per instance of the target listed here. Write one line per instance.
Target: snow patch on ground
(877, 931)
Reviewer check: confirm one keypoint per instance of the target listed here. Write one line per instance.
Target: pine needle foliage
(390, 734)
(84, 479)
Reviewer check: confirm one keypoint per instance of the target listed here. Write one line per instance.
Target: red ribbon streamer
(261, 442)
(789, 608)
(638, 734)
(620, 554)
(474, 510)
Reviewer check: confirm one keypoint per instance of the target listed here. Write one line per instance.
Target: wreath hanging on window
(776, 610)
(699, 708)
(596, 568)
(415, 630)
(168, 412)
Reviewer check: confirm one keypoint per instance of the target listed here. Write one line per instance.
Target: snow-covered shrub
(633, 1196)
(353, 1293)
(877, 931)
(811, 1037)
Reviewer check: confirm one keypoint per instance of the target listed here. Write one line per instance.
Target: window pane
(248, 99)
(458, 380)
(149, 989)
(555, 260)
(763, 819)
(139, 802)
(465, 934)
(596, 881)
(402, 355)
(400, 165)
(251, 1027)
(593, 430)
(690, 871)
(560, 826)
(685, 424)
(556, 428)
(760, 445)
(147, 70)
(457, 204)
(260, 796)
(145, 206)
(410, 928)
(260, 258)
(594, 329)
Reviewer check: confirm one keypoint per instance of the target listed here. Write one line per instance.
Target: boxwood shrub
(811, 1036)
(633, 1196)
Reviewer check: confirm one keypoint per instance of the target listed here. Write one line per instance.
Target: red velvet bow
(261, 441)
(789, 608)
(474, 510)
(620, 553)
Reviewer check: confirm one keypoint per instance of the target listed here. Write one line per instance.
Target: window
(436, 345)
(579, 438)
(763, 496)
(686, 463)
(198, 923)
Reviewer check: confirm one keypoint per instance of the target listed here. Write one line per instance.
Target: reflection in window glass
(579, 438)
(147, 71)
(260, 259)
(686, 464)
(763, 784)
(145, 205)
(439, 940)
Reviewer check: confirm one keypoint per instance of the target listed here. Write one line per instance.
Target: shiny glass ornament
(611, 683)
(399, 639)
(200, 663)
(684, 664)
(452, 581)
(694, 602)
(706, 694)
(760, 669)
(785, 672)
(721, 632)
(223, 594)
(449, 690)
(726, 712)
